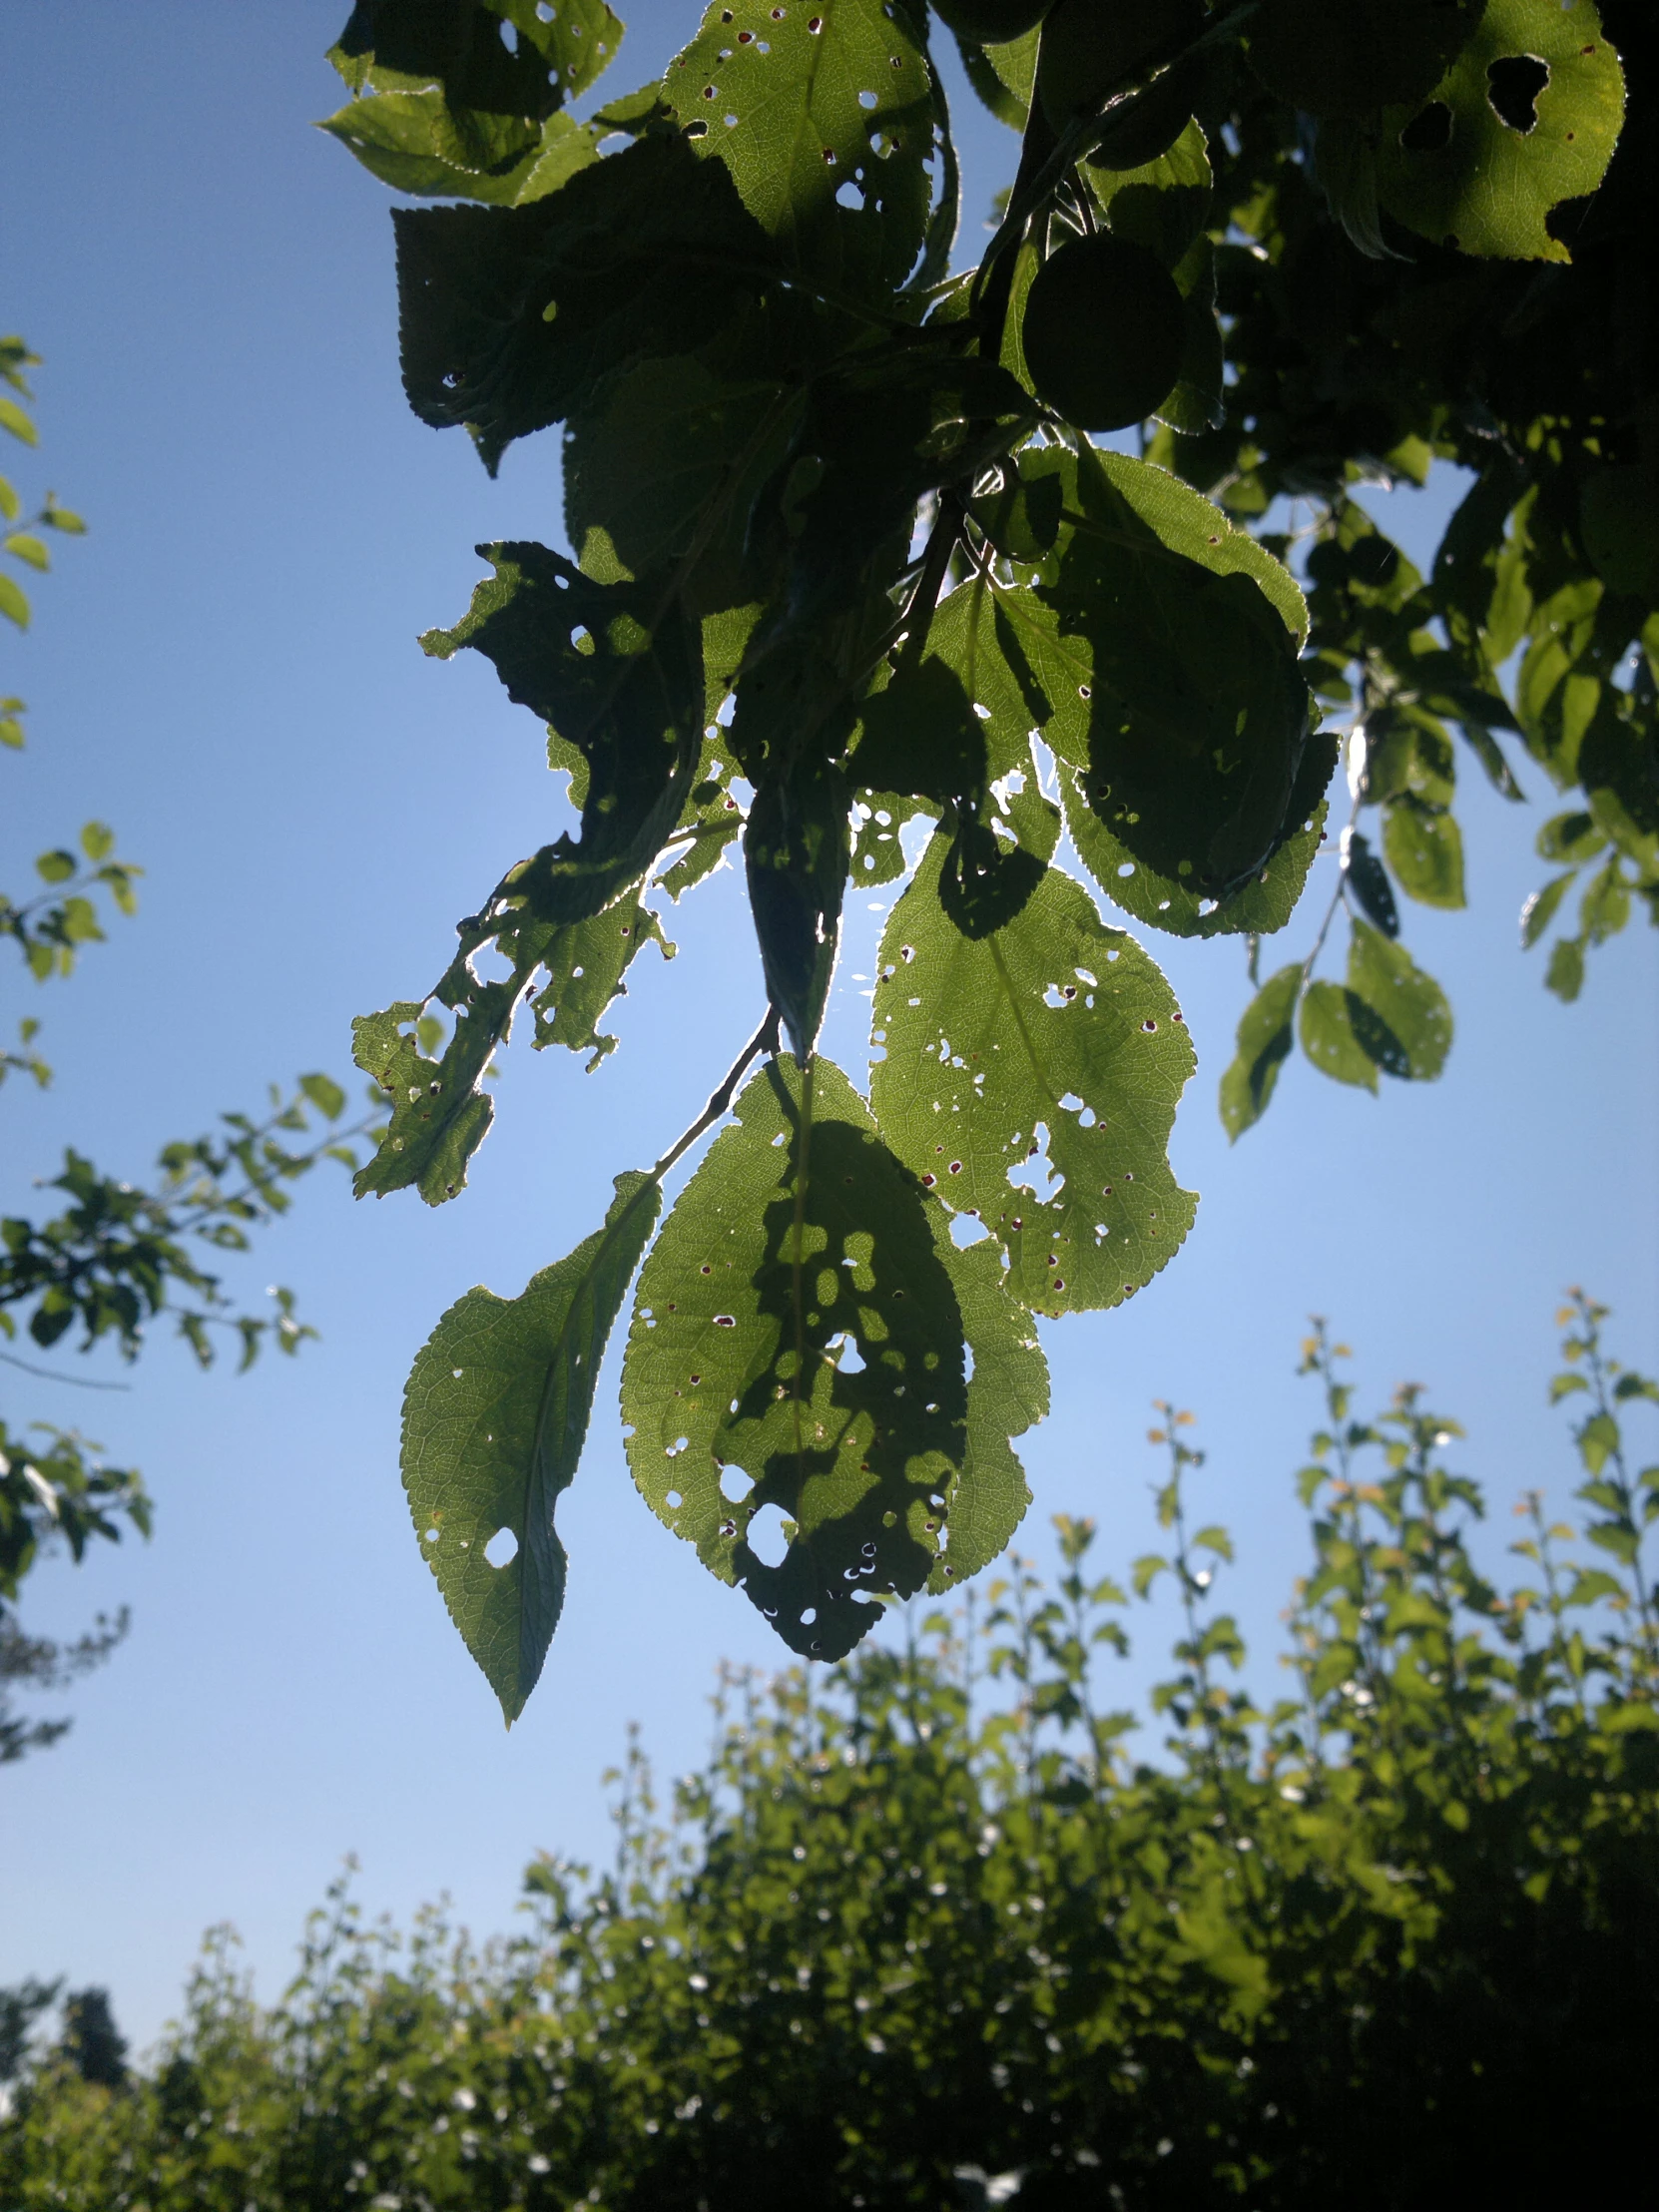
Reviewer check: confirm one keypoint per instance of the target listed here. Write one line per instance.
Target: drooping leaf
(796, 1345)
(510, 317)
(618, 678)
(1408, 1032)
(1263, 1045)
(1527, 116)
(795, 858)
(495, 1416)
(1541, 909)
(1366, 880)
(1424, 849)
(1331, 1022)
(824, 117)
(1031, 1077)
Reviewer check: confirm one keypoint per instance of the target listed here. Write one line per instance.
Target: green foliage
(928, 1930)
(848, 563)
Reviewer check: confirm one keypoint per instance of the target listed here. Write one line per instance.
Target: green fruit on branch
(1103, 333)
(990, 22)
(1093, 47)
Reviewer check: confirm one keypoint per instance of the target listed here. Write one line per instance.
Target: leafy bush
(910, 1940)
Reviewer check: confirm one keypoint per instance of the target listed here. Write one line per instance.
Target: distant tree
(932, 1929)
(92, 2043)
(118, 1255)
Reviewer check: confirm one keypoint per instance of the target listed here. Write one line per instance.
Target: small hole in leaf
(502, 1547)
(675, 1500)
(1512, 86)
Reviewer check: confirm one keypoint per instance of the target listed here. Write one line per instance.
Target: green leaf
(1565, 973)
(1007, 1393)
(1259, 907)
(585, 962)
(1410, 1032)
(617, 681)
(396, 45)
(97, 839)
(26, 547)
(1460, 169)
(1540, 909)
(1425, 851)
(510, 317)
(440, 1117)
(667, 454)
(325, 1094)
(13, 602)
(1574, 836)
(797, 1342)
(797, 854)
(495, 1416)
(1054, 1033)
(11, 506)
(13, 418)
(1327, 1021)
(56, 866)
(1366, 882)
(1176, 665)
(408, 141)
(824, 118)
(1263, 1046)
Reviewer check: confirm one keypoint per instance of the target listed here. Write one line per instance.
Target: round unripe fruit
(990, 22)
(1090, 47)
(1103, 333)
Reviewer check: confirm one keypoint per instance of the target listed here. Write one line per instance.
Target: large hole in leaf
(766, 1539)
(1513, 85)
(502, 1548)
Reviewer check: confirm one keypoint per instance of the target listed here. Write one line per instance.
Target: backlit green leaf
(1031, 1077)
(495, 1416)
(796, 1344)
(1426, 851)
(1263, 1046)
(1480, 163)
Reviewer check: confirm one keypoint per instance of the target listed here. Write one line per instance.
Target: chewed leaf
(1007, 1393)
(796, 1355)
(1527, 116)
(823, 116)
(494, 1419)
(440, 1117)
(1031, 1078)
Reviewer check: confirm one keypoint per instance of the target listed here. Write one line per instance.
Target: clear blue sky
(226, 670)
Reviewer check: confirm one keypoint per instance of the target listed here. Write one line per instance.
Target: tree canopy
(855, 594)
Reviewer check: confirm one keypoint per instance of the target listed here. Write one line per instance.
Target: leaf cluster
(857, 595)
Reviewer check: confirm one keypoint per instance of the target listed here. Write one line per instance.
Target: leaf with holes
(824, 117)
(797, 1346)
(510, 317)
(1007, 1395)
(1527, 116)
(440, 1117)
(619, 681)
(1031, 1077)
(1263, 1046)
(495, 1414)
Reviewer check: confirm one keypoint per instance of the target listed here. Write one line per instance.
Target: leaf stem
(765, 1040)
